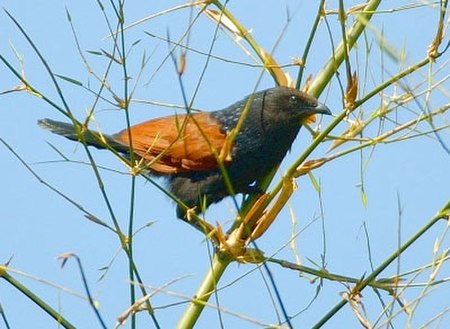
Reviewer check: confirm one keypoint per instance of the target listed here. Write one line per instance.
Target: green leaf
(94, 52)
(75, 82)
(136, 42)
(314, 182)
(69, 18)
(364, 198)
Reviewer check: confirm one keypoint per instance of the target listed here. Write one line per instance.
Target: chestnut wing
(175, 144)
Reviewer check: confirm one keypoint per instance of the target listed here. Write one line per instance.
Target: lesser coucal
(184, 148)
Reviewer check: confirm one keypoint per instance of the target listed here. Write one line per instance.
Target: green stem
(391, 81)
(316, 88)
(206, 289)
(312, 34)
(246, 36)
(383, 138)
(338, 56)
(384, 284)
(34, 298)
(442, 214)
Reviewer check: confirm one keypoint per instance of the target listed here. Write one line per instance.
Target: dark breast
(258, 147)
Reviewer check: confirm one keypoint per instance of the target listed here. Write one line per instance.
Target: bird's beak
(321, 109)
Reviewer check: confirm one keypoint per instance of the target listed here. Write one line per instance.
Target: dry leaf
(268, 218)
(307, 166)
(283, 78)
(253, 256)
(312, 118)
(352, 92)
(307, 84)
(298, 61)
(355, 129)
(182, 65)
(225, 152)
(219, 18)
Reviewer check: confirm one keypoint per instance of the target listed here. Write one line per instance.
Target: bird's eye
(293, 100)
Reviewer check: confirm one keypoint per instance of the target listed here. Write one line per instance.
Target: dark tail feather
(92, 138)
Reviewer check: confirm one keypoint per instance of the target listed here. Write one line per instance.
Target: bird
(185, 148)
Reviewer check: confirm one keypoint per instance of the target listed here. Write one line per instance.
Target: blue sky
(405, 183)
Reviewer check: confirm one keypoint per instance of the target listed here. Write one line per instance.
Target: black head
(290, 106)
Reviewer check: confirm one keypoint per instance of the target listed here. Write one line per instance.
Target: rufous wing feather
(176, 144)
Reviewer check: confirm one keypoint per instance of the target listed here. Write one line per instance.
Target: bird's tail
(91, 138)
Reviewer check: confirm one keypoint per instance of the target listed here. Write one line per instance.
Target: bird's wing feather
(177, 144)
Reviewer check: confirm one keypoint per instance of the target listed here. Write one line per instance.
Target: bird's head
(290, 106)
